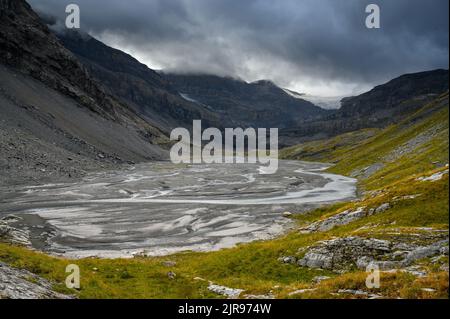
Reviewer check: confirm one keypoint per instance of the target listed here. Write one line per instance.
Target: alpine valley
(85, 179)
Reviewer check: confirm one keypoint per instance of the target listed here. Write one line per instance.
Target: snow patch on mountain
(325, 102)
(188, 98)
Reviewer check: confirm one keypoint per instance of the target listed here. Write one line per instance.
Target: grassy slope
(357, 150)
(254, 267)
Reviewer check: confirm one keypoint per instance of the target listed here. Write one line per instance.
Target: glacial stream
(161, 208)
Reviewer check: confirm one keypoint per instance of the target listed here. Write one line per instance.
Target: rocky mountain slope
(401, 220)
(146, 91)
(57, 121)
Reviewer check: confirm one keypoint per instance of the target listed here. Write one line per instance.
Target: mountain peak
(264, 82)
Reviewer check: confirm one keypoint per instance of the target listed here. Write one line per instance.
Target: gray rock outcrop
(21, 284)
(343, 254)
(11, 234)
(230, 293)
(340, 219)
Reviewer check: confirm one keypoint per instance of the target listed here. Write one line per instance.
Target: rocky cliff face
(27, 45)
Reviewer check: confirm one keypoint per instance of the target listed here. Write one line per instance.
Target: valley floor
(412, 250)
(399, 223)
(392, 233)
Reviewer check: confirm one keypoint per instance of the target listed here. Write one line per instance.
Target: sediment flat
(161, 208)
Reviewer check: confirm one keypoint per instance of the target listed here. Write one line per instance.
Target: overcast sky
(320, 47)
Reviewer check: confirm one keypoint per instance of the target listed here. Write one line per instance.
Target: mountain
(257, 104)
(170, 100)
(70, 104)
(384, 105)
(57, 120)
(397, 97)
(417, 143)
(143, 89)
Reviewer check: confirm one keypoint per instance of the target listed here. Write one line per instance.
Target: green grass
(357, 150)
(330, 150)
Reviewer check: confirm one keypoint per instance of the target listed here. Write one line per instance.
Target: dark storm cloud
(321, 45)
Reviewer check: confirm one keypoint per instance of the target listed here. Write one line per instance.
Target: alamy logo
(73, 17)
(232, 150)
(373, 277)
(373, 19)
(73, 279)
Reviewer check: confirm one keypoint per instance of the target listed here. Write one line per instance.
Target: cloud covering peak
(314, 46)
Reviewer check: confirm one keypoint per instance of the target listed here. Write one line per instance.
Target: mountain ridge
(242, 103)
(380, 107)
